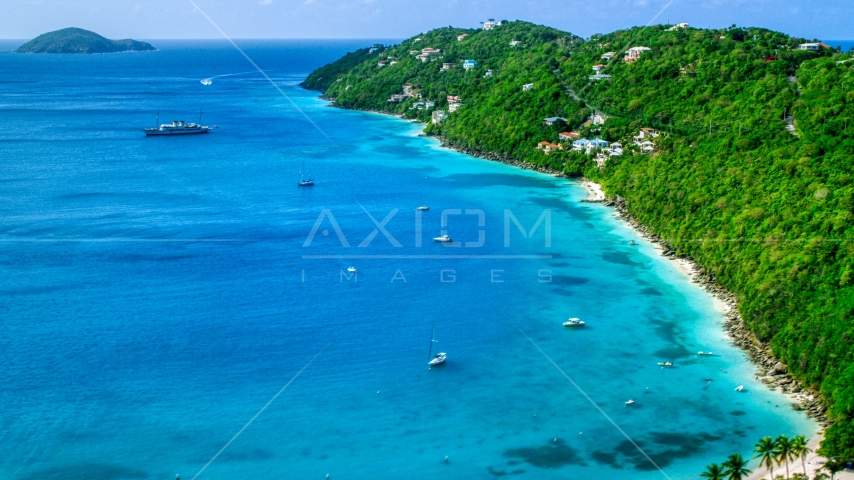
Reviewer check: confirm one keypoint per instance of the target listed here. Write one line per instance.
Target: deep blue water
(155, 293)
(846, 45)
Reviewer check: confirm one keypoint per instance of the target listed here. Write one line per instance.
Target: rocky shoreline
(772, 372)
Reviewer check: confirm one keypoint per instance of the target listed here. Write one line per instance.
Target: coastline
(769, 370)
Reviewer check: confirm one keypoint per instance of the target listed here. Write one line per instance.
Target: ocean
(162, 298)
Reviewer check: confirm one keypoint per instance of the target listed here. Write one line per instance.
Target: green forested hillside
(768, 211)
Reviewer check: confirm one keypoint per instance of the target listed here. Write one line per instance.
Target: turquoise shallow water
(155, 293)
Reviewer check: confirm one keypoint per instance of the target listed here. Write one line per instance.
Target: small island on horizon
(78, 40)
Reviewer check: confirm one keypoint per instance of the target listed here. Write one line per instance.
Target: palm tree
(801, 449)
(736, 467)
(713, 472)
(783, 451)
(764, 451)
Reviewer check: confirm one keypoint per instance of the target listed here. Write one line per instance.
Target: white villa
(490, 24)
(462, 37)
(608, 56)
(678, 26)
(527, 87)
(469, 64)
(513, 43)
(439, 116)
(598, 118)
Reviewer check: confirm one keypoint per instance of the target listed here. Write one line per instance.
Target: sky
(397, 19)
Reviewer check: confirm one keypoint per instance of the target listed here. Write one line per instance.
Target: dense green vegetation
(77, 40)
(767, 211)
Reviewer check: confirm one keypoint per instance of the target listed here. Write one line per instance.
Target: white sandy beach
(813, 461)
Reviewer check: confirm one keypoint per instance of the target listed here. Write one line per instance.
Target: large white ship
(178, 127)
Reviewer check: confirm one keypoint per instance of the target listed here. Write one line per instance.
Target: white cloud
(265, 2)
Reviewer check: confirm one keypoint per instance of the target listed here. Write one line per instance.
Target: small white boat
(739, 388)
(631, 242)
(630, 402)
(423, 207)
(444, 239)
(352, 269)
(705, 353)
(438, 359)
(573, 322)
(665, 364)
(207, 81)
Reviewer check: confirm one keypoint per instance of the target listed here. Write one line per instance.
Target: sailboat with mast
(440, 357)
(305, 182)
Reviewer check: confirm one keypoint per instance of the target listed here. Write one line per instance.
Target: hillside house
(397, 98)
(598, 118)
(382, 63)
(513, 43)
(487, 74)
(568, 136)
(439, 116)
(490, 24)
(453, 99)
(645, 134)
(527, 87)
(452, 107)
(812, 47)
(462, 37)
(588, 146)
(432, 52)
(423, 57)
(469, 64)
(678, 26)
(407, 89)
(447, 66)
(598, 68)
(553, 120)
(414, 52)
(598, 76)
(548, 147)
(608, 56)
(634, 53)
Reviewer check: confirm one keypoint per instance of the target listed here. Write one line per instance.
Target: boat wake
(209, 80)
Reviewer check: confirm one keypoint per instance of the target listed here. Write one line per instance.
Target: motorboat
(630, 402)
(444, 239)
(631, 242)
(739, 388)
(705, 353)
(423, 208)
(438, 359)
(352, 269)
(665, 364)
(573, 322)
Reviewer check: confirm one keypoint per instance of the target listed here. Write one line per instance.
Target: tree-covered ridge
(752, 177)
(77, 40)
